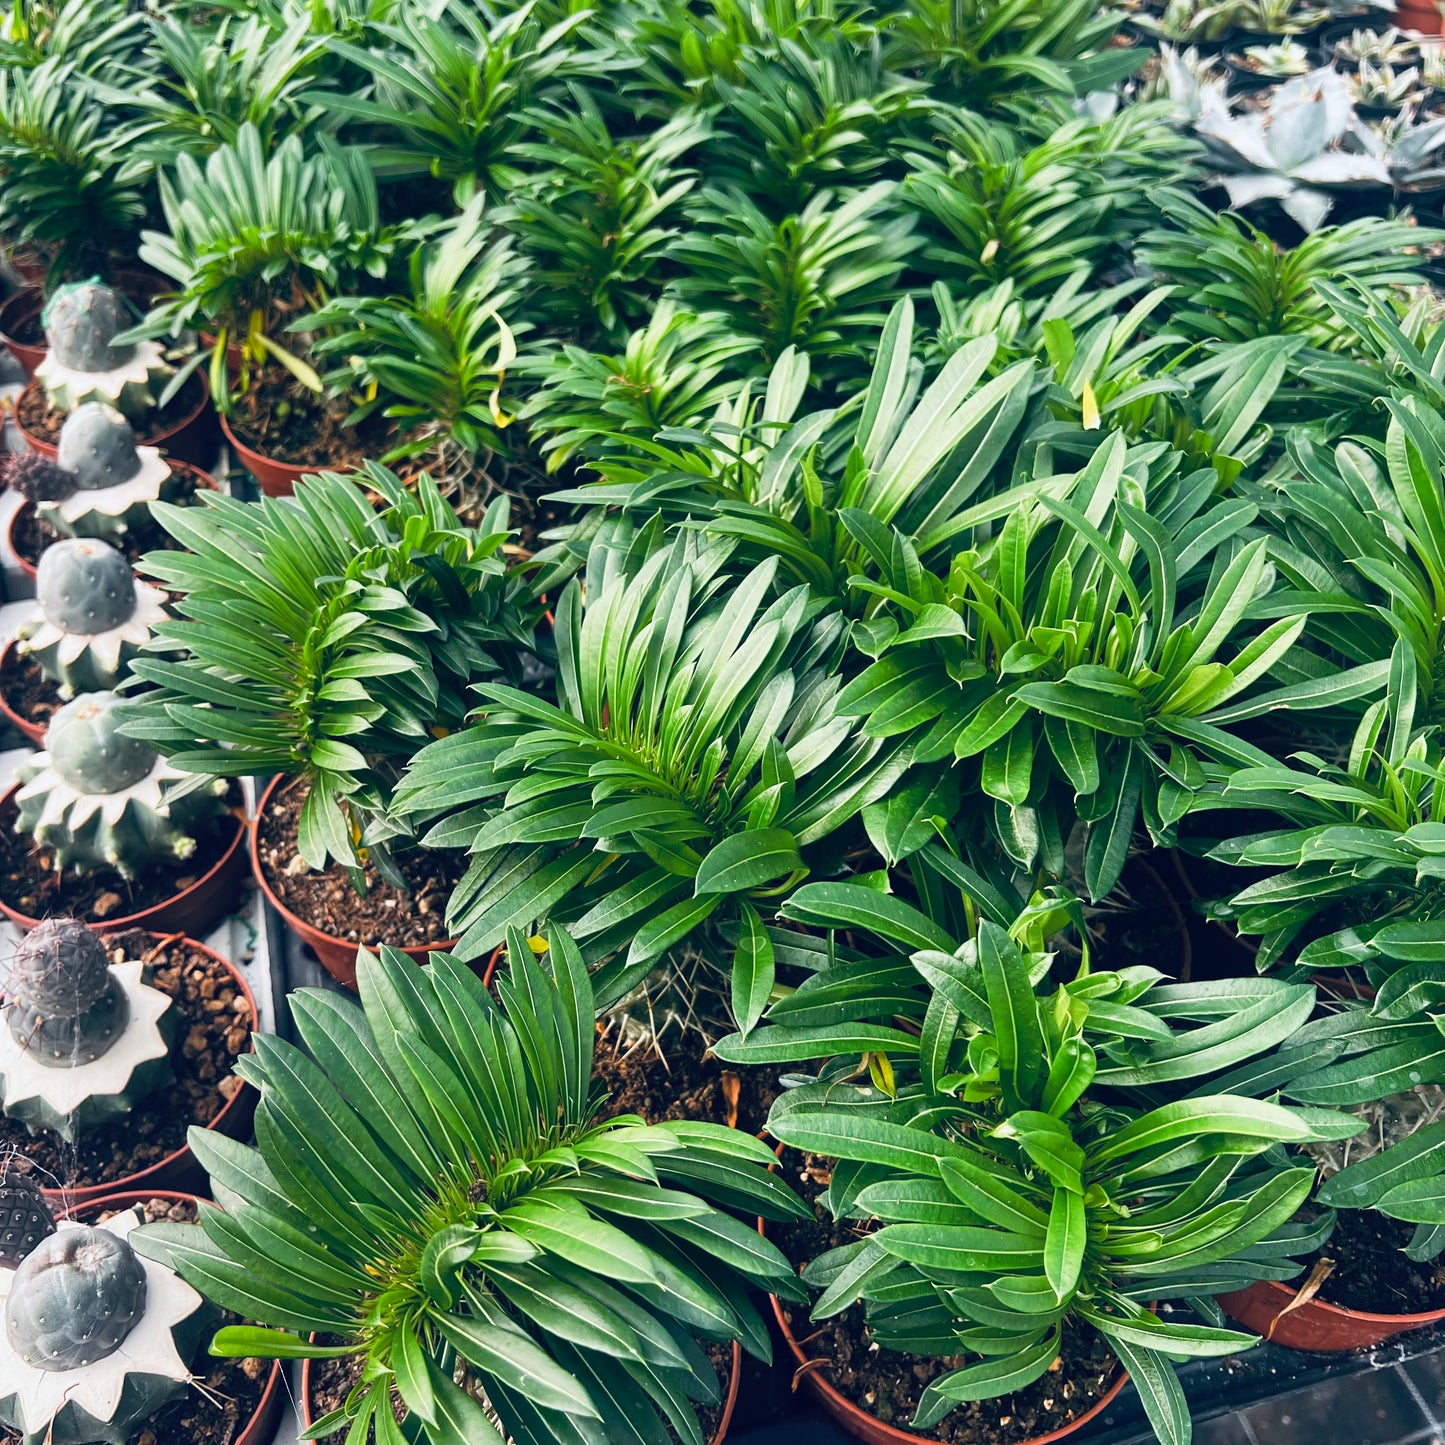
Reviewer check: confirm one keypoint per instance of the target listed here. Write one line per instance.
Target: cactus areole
(95, 1339)
(83, 1040)
(83, 363)
(113, 480)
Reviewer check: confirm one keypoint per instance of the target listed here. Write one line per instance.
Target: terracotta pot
(261, 1428)
(337, 955)
(179, 1168)
(20, 308)
(863, 1426)
(308, 1415)
(276, 479)
(31, 730)
(1316, 1325)
(204, 482)
(1413, 15)
(192, 911)
(192, 439)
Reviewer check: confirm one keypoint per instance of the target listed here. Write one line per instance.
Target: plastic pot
(337, 955)
(863, 1426)
(276, 479)
(261, 1428)
(179, 1168)
(1316, 1326)
(192, 439)
(1418, 15)
(31, 730)
(20, 308)
(204, 482)
(191, 912)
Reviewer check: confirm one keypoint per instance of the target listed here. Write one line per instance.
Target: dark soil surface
(888, 1384)
(221, 1399)
(31, 535)
(1371, 1271)
(333, 1380)
(327, 900)
(281, 422)
(1141, 923)
(43, 421)
(27, 691)
(213, 1025)
(30, 885)
(687, 1086)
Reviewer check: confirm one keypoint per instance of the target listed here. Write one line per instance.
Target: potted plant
(95, 615)
(99, 1342)
(1004, 1144)
(112, 1048)
(521, 1245)
(84, 365)
(324, 639)
(101, 827)
(254, 239)
(1258, 65)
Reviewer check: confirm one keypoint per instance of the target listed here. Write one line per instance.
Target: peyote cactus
(81, 322)
(112, 480)
(96, 1338)
(25, 1217)
(103, 800)
(38, 478)
(84, 1040)
(95, 615)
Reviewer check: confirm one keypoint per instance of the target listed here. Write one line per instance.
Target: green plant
(84, 363)
(693, 753)
(431, 1183)
(325, 639)
(1288, 57)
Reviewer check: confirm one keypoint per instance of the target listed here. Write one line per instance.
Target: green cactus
(114, 480)
(83, 363)
(25, 1217)
(100, 800)
(95, 615)
(66, 1007)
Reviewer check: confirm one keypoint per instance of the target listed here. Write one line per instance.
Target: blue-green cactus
(66, 1007)
(111, 480)
(84, 363)
(97, 447)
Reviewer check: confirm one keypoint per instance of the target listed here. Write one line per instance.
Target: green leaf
(748, 860)
(753, 970)
(1065, 1243)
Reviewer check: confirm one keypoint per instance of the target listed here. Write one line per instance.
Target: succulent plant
(1288, 57)
(95, 1339)
(84, 364)
(112, 481)
(95, 615)
(84, 1040)
(1383, 85)
(1381, 47)
(100, 799)
(25, 1217)
(37, 478)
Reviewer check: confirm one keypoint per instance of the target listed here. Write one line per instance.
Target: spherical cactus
(87, 749)
(25, 1217)
(66, 1007)
(38, 478)
(85, 585)
(74, 1299)
(81, 321)
(97, 445)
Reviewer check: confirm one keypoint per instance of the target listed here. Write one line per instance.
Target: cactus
(74, 1299)
(96, 1338)
(84, 1040)
(83, 363)
(115, 481)
(37, 478)
(94, 616)
(103, 800)
(25, 1217)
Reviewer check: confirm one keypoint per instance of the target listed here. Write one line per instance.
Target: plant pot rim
(863, 1426)
(157, 439)
(25, 922)
(23, 725)
(272, 472)
(261, 1425)
(86, 1196)
(16, 306)
(1284, 1294)
(305, 930)
(204, 482)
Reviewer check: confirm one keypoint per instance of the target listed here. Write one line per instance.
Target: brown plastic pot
(204, 482)
(20, 308)
(337, 955)
(31, 730)
(261, 1428)
(1316, 1325)
(192, 911)
(276, 479)
(863, 1426)
(179, 1168)
(192, 439)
